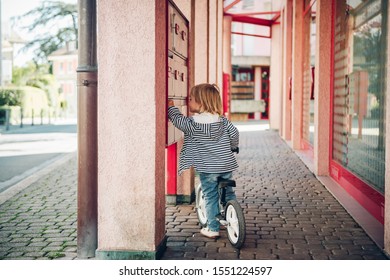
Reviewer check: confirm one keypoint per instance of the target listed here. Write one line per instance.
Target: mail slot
(177, 66)
(178, 32)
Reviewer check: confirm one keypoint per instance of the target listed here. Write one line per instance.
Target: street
(24, 151)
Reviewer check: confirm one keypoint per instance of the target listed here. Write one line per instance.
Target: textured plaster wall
(212, 41)
(200, 42)
(131, 125)
(226, 45)
(219, 50)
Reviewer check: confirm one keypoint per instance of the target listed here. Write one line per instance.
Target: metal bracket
(87, 83)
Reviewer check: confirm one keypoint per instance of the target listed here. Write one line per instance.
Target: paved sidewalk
(289, 214)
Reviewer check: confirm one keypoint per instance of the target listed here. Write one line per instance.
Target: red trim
(254, 13)
(363, 193)
(254, 35)
(276, 17)
(306, 10)
(226, 95)
(172, 169)
(333, 17)
(257, 21)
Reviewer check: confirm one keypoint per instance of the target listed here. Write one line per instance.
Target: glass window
(359, 89)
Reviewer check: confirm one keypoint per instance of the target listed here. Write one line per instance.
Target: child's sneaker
(208, 233)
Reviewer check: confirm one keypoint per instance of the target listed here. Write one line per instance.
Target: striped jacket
(207, 147)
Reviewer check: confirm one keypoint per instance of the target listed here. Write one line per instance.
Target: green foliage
(31, 99)
(10, 97)
(51, 15)
(37, 76)
(15, 114)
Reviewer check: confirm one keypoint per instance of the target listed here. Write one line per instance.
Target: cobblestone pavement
(289, 214)
(41, 221)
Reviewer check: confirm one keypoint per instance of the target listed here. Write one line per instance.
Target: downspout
(87, 131)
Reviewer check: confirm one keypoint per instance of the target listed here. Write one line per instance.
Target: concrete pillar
(201, 45)
(387, 145)
(297, 74)
(226, 46)
(275, 98)
(131, 128)
(322, 89)
(219, 19)
(287, 70)
(212, 41)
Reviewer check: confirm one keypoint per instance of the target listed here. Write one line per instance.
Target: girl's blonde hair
(209, 98)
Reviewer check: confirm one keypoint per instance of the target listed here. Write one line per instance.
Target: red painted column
(226, 95)
(172, 169)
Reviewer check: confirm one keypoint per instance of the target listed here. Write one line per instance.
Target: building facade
(327, 97)
(335, 101)
(65, 62)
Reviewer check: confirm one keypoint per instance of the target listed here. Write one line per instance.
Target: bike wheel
(236, 223)
(201, 207)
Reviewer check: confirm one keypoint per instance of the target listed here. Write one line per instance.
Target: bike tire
(236, 223)
(200, 207)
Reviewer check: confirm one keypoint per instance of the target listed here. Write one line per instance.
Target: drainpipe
(87, 131)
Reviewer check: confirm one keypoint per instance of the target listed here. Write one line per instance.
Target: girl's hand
(170, 103)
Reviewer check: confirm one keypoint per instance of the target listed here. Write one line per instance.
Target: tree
(60, 18)
(37, 76)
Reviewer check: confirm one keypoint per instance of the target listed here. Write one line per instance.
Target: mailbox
(177, 66)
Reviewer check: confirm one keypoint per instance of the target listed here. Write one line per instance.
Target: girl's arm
(234, 135)
(179, 120)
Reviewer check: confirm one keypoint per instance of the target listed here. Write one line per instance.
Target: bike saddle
(223, 183)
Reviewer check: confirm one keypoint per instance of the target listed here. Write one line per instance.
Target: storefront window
(359, 89)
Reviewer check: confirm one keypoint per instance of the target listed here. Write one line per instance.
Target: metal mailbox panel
(178, 32)
(179, 78)
(177, 67)
(170, 77)
(183, 79)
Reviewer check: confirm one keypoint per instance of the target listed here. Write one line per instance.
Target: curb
(21, 185)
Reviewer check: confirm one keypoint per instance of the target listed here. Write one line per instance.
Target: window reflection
(359, 92)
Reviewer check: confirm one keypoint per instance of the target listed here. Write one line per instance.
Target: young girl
(209, 139)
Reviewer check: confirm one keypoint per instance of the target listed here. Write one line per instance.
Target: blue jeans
(209, 183)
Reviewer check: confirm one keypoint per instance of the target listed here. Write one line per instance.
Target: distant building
(11, 41)
(64, 69)
(251, 60)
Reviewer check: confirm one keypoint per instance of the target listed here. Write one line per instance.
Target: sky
(12, 8)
